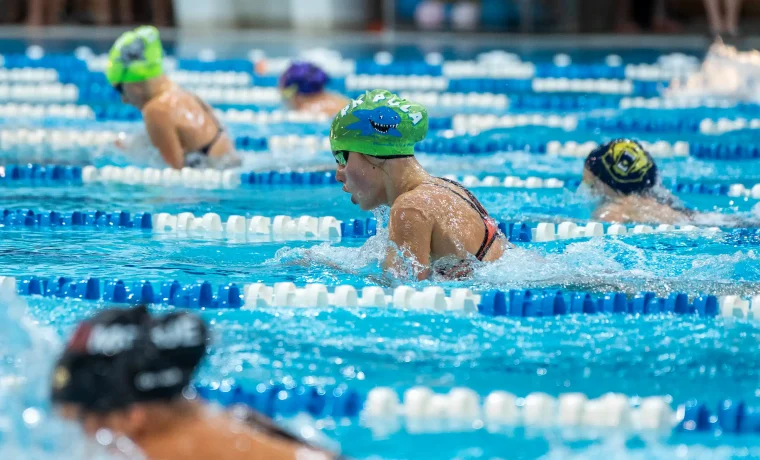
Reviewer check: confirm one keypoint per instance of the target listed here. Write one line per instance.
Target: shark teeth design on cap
(381, 128)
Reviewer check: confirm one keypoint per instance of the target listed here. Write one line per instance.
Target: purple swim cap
(306, 77)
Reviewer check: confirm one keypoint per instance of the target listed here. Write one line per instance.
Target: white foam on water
(725, 73)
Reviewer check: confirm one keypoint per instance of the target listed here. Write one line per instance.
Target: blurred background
(730, 18)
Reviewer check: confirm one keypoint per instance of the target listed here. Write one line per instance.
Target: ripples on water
(682, 357)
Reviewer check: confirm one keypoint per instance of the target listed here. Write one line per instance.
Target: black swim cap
(123, 356)
(624, 165)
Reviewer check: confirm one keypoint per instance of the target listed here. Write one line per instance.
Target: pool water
(681, 357)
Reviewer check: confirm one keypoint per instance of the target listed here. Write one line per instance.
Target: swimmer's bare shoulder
(414, 207)
(222, 437)
(160, 124)
(612, 212)
(410, 228)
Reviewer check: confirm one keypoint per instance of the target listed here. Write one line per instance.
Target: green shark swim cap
(379, 124)
(136, 56)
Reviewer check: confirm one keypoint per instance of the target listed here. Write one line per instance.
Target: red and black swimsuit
(463, 268)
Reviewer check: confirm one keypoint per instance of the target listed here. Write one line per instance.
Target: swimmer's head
(302, 78)
(375, 127)
(136, 57)
(622, 166)
(121, 360)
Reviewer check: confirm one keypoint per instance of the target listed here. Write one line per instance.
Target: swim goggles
(341, 157)
(289, 92)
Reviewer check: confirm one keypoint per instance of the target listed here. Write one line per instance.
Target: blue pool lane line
(528, 303)
(58, 175)
(82, 220)
(732, 416)
(517, 232)
(26, 218)
(513, 303)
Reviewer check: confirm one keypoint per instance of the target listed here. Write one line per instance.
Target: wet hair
(124, 356)
(304, 78)
(624, 166)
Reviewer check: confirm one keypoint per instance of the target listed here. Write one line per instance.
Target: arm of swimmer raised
(163, 134)
(411, 231)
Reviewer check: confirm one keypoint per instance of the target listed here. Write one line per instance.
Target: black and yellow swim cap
(624, 166)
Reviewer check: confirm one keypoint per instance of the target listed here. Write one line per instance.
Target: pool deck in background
(228, 43)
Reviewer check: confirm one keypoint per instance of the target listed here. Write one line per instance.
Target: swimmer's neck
(401, 176)
(162, 419)
(301, 100)
(155, 87)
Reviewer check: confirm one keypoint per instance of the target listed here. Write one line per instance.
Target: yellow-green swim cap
(135, 57)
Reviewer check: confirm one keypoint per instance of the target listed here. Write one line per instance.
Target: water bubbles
(104, 437)
(31, 416)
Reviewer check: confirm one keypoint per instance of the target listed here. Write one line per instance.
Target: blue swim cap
(303, 78)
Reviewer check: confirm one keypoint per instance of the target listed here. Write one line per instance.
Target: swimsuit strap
(219, 128)
(491, 230)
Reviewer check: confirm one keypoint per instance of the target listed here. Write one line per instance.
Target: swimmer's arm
(163, 134)
(411, 231)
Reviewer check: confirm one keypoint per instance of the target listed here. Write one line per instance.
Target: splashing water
(623, 264)
(28, 426)
(725, 72)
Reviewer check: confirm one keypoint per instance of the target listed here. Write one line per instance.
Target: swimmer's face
(362, 177)
(133, 94)
(91, 422)
(126, 422)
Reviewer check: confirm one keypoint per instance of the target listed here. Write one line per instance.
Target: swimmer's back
(194, 121)
(640, 209)
(223, 437)
(457, 227)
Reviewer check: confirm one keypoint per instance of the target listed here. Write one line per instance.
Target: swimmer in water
(625, 176)
(434, 222)
(302, 87)
(179, 124)
(128, 373)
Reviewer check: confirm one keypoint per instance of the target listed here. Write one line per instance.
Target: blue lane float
(193, 295)
(514, 303)
(728, 416)
(36, 174)
(537, 303)
(58, 175)
(27, 218)
(516, 232)
(336, 401)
